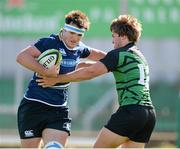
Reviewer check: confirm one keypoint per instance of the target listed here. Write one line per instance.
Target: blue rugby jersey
(58, 94)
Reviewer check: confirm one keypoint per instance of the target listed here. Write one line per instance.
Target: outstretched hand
(46, 81)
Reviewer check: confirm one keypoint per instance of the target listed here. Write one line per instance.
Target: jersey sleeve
(85, 50)
(44, 44)
(85, 53)
(111, 60)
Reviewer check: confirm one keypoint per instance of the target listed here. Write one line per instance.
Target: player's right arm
(27, 58)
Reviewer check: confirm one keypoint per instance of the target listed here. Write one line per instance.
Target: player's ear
(61, 32)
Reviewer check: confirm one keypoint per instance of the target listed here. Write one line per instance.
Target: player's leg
(143, 135)
(132, 144)
(115, 131)
(54, 135)
(127, 121)
(31, 143)
(29, 124)
(58, 126)
(109, 139)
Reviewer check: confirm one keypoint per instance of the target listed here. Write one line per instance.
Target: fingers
(57, 65)
(43, 85)
(45, 81)
(53, 71)
(39, 76)
(57, 68)
(41, 82)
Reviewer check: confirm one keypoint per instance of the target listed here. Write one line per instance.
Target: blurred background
(23, 22)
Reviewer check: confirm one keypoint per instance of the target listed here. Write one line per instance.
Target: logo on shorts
(28, 133)
(67, 126)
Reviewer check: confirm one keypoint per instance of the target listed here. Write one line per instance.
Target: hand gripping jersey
(56, 95)
(131, 73)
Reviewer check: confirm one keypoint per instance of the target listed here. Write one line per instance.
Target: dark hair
(78, 18)
(127, 25)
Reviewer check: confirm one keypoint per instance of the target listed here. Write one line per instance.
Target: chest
(70, 60)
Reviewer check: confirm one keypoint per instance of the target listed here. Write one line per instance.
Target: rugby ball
(50, 57)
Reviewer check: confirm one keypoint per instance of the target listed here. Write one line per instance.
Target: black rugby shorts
(34, 117)
(133, 121)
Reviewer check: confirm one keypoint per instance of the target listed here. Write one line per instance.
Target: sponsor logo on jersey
(76, 53)
(28, 133)
(67, 126)
(63, 52)
(68, 63)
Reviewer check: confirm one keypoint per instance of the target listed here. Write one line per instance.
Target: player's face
(71, 39)
(116, 40)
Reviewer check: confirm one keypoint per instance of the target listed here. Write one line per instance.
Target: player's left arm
(86, 73)
(85, 63)
(96, 55)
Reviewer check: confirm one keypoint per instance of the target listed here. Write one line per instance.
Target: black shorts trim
(34, 117)
(133, 121)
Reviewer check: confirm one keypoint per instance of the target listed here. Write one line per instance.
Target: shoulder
(111, 59)
(47, 42)
(51, 39)
(114, 52)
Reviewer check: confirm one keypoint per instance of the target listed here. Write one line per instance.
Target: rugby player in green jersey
(132, 124)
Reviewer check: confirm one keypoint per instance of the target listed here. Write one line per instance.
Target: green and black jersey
(131, 74)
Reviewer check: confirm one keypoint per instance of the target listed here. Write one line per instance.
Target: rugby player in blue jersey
(132, 124)
(43, 113)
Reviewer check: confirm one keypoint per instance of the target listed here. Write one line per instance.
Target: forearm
(96, 55)
(76, 76)
(86, 73)
(85, 63)
(101, 55)
(30, 63)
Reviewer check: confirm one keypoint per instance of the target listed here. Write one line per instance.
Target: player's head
(125, 29)
(77, 18)
(76, 23)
